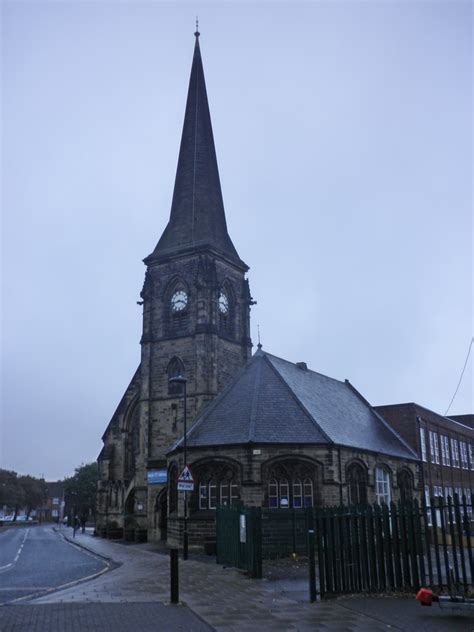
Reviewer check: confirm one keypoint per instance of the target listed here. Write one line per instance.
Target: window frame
(455, 453)
(384, 483)
(423, 445)
(434, 447)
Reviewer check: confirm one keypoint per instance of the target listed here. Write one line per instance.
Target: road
(35, 560)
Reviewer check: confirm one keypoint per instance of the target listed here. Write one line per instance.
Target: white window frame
(428, 504)
(382, 486)
(434, 447)
(273, 493)
(455, 452)
(297, 494)
(308, 493)
(203, 495)
(445, 455)
(284, 493)
(423, 444)
(463, 451)
(467, 493)
(471, 455)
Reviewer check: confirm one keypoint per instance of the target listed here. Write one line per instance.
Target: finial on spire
(259, 346)
(197, 33)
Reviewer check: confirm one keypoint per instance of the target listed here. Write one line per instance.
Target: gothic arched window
(175, 368)
(405, 484)
(132, 442)
(218, 486)
(290, 484)
(357, 484)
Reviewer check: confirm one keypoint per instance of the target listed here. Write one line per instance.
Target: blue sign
(157, 476)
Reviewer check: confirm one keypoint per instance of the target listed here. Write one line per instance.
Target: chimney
(302, 365)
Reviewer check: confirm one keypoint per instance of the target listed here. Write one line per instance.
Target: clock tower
(196, 301)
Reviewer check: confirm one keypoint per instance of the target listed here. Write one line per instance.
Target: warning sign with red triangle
(185, 476)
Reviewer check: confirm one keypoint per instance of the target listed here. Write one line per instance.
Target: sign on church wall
(157, 476)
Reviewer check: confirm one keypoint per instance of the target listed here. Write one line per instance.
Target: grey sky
(343, 133)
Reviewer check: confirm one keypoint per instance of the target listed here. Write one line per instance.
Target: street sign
(185, 476)
(185, 487)
(156, 476)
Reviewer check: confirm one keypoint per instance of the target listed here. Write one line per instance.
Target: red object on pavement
(425, 596)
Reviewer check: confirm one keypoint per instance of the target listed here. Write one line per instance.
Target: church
(260, 430)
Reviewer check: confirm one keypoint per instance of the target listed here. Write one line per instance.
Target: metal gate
(239, 538)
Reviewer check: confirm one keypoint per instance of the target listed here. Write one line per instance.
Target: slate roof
(271, 400)
(197, 218)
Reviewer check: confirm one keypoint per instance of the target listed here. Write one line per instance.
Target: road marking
(40, 592)
(18, 553)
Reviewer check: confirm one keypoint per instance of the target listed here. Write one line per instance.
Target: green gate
(239, 538)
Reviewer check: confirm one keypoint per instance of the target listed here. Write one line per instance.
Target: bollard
(312, 566)
(174, 576)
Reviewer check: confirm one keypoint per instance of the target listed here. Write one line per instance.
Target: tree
(11, 491)
(34, 492)
(81, 488)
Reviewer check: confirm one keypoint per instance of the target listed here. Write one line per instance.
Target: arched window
(132, 443)
(218, 487)
(382, 486)
(290, 485)
(405, 484)
(175, 368)
(357, 484)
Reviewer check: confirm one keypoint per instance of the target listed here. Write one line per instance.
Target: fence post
(257, 542)
(174, 576)
(312, 566)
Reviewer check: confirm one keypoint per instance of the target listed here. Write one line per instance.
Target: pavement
(135, 596)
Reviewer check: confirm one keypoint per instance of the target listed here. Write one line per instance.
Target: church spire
(197, 218)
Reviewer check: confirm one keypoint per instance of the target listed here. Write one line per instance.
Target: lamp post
(179, 379)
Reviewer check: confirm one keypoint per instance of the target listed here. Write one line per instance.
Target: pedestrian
(83, 522)
(76, 525)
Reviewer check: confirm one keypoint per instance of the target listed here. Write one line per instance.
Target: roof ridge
(327, 377)
(296, 398)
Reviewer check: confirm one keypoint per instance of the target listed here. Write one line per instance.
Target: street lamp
(179, 379)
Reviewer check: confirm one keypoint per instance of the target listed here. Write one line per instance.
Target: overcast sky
(343, 133)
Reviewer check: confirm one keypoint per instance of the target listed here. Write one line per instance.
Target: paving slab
(228, 600)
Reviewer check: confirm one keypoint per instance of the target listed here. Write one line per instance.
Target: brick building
(53, 508)
(261, 430)
(444, 447)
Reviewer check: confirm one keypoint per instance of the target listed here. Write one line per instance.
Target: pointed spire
(197, 218)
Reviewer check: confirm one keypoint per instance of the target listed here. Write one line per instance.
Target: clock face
(179, 300)
(223, 303)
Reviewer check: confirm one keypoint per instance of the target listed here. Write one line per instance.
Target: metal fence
(358, 549)
(395, 547)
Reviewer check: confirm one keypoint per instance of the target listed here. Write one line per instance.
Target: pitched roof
(271, 400)
(197, 218)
